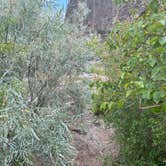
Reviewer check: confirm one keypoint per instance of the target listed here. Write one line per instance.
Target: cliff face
(103, 13)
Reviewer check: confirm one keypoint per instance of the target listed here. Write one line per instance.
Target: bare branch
(149, 107)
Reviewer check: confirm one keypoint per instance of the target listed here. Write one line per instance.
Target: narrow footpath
(92, 139)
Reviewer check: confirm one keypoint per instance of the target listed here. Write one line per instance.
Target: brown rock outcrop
(103, 13)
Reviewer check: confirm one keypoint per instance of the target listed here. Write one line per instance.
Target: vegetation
(40, 57)
(134, 98)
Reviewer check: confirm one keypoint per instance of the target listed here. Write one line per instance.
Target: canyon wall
(104, 13)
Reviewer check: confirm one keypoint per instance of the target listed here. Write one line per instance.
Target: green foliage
(27, 136)
(40, 59)
(135, 100)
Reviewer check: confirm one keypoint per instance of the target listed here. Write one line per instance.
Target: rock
(104, 13)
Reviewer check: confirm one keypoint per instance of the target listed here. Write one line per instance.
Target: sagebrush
(40, 60)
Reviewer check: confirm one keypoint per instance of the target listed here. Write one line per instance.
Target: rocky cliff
(103, 13)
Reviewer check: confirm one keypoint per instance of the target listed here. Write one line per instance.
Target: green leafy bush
(135, 100)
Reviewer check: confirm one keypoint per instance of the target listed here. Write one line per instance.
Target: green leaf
(162, 40)
(120, 104)
(164, 106)
(104, 106)
(34, 134)
(110, 105)
(158, 73)
(146, 94)
(163, 22)
(128, 93)
(158, 95)
(139, 84)
(154, 6)
(151, 61)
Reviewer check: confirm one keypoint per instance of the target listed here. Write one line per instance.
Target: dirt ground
(93, 141)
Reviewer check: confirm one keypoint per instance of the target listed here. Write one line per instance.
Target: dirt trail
(91, 138)
(93, 141)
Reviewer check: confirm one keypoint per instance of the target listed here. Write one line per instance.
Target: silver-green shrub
(40, 60)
